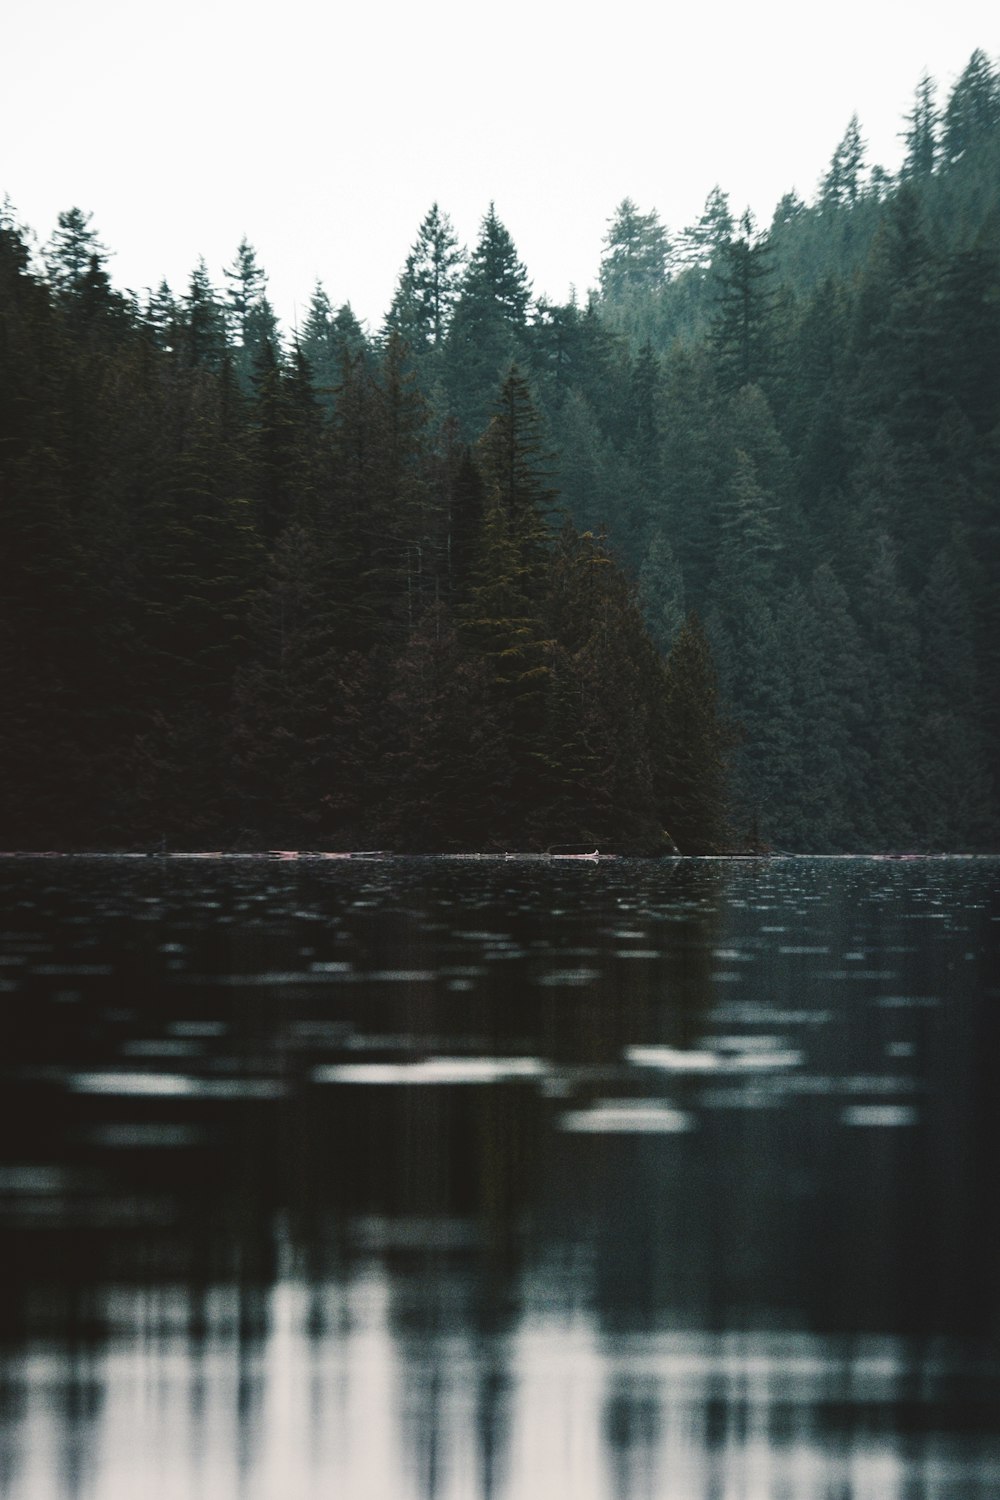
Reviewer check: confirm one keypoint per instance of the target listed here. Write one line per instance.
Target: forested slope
(816, 420)
(243, 607)
(383, 587)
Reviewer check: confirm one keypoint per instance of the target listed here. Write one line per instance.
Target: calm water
(466, 1179)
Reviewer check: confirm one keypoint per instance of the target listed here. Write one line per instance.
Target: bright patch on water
(434, 1070)
(174, 1086)
(879, 1116)
(627, 1117)
(673, 1059)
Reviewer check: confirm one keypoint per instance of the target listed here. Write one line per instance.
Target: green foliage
(842, 185)
(504, 614)
(922, 136)
(743, 335)
(203, 326)
(695, 783)
(824, 435)
(314, 589)
(247, 281)
(488, 324)
(636, 250)
(701, 242)
(428, 284)
(72, 251)
(972, 113)
(328, 339)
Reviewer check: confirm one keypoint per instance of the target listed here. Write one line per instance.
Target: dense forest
(707, 560)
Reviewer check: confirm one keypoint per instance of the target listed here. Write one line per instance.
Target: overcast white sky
(324, 132)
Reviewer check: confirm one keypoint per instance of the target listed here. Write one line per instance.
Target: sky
(323, 133)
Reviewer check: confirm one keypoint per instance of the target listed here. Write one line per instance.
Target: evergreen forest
(706, 561)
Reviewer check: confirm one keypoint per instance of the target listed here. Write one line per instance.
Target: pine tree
(162, 316)
(842, 186)
(515, 463)
(816, 810)
(694, 465)
(749, 537)
(787, 210)
(304, 701)
(840, 696)
(956, 807)
(70, 251)
(429, 283)
(588, 470)
(504, 617)
(247, 280)
(203, 336)
(46, 637)
(921, 136)
(743, 336)
(695, 771)
(447, 772)
(965, 335)
(329, 337)
(887, 618)
(600, 744)
(661, 592)
(489, 323)
(973, 109)
(700, 243)
(382, 478)
(558, 345)
(405, 515)
(635, 254)
(273, 437)
(898, 380)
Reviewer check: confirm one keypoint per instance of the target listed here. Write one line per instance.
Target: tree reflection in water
(677, 1182)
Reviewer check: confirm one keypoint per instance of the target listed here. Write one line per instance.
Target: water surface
(470, 1178)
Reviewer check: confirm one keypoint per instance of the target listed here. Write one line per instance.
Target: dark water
(474, 1179)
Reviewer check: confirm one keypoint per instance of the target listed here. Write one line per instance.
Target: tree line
(706, 559)
(816, 459)
(254, 594)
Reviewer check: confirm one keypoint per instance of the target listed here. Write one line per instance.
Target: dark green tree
(429, 283)
(303, 734)
(504, 618)
(327, 338)
(635, 253)
(588, 469)
(743, 333)
(891, 735)
(843, 184)
(203, 330)
(162, 316)
(695, 467)
(695, 772)
(246, 283)
(973, 109)
(921, 135)
(699, 244)
(447, 772)
(601, 739)
(488, 325)
(71, 250)
(661, 592)
(955, 806)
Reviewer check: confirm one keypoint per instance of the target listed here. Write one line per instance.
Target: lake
(478, 1179)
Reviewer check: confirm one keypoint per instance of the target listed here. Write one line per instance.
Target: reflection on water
(482, 1179)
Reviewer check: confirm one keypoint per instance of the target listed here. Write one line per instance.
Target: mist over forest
(706, 560)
